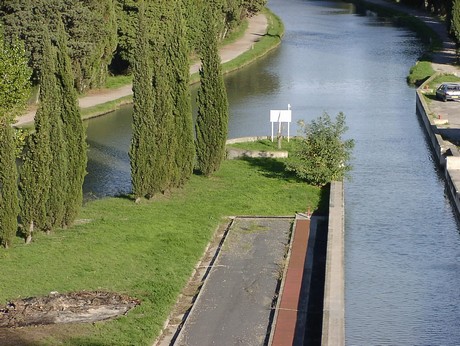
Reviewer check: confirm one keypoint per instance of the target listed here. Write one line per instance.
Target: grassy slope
(149, 250)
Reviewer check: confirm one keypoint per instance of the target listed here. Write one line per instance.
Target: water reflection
(108, 139)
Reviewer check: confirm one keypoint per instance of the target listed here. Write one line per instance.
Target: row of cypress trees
(54, 165)
(162, 148)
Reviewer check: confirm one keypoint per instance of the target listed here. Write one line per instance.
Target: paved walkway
(235, 303)
(256, 29)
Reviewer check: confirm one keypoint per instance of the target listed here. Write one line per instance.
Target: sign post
(281, 116)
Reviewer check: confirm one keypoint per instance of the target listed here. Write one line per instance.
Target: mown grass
(104, 108)
(420, 72)
(114, 82)
(146, 250)
(444, 78)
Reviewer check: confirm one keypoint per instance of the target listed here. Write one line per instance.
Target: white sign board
(283, 116)
(280, 116)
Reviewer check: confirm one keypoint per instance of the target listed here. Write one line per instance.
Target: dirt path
(256, 29)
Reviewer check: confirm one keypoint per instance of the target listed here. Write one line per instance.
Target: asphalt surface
(235, 304)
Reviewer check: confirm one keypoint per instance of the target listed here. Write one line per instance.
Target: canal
(402, 238)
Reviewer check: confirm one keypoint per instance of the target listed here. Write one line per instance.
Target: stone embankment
(443, 138)
(333, 332)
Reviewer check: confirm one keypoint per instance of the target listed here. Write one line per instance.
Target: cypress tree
(180, 76)
(9, 203)
(212, 119)
(55, 207)
(162, 146)
(35, 181)
(14, 86)
(164, 167)
(143, 140)
(72, 130)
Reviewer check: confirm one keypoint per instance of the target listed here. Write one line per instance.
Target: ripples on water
(402, 239)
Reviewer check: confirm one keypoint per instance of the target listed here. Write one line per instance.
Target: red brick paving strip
(286, 319)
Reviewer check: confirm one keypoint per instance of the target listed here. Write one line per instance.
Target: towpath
(257, 28)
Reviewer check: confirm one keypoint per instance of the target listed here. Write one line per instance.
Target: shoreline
(247, 49)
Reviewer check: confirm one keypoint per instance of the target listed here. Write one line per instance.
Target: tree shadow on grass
(271, 168)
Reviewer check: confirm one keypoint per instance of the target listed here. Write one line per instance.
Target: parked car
(448, 91)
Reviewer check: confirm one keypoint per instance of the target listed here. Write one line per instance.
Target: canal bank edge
(333, 332)
(255, 43)
(446, 154)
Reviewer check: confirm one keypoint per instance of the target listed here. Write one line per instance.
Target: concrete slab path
(235, 304)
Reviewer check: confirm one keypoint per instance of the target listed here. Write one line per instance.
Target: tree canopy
(102, 33)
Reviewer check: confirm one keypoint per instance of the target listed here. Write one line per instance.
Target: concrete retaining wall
(334, 285)
(234, 153)
(446, 154)
(246, 139)
(437, 143)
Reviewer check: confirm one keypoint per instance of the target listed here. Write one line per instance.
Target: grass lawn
(443, 78)
(420, 72)
(145, 250)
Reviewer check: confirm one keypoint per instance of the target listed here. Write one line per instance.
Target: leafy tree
(212, 118)
(90, 26)
(14, 86)
(127, 17)
(322, 156)
(35, 179)
(14, 81)
(455, 20)
(143, 140)
(253, 6)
